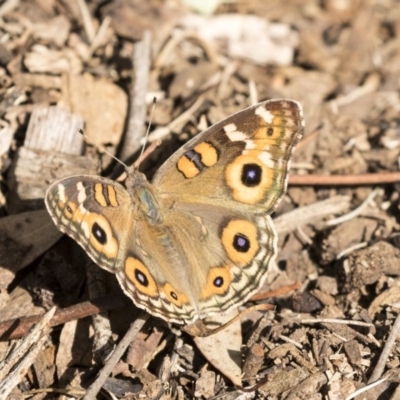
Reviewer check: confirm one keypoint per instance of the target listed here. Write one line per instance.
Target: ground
(332, 329)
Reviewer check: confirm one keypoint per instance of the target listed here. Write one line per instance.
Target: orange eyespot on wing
(140, 277)
(179, 299)
(250, 176)
(218, 282)
(239, 239)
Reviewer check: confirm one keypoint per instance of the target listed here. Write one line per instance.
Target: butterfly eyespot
(175, 297)
(141, 278)
(241, 243)
(98, 228)
(251, 175)
(99, 233)
(219, 281)
(68, 209)
(270, 131)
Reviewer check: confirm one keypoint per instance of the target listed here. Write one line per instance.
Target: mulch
(326, 322)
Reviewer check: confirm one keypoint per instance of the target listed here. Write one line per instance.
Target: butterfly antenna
(139, 160)
(102, 149)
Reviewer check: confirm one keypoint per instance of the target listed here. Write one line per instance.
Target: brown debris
(106, 115)
(367, 266)
(353, 352)
(253, 362)
(335, 291)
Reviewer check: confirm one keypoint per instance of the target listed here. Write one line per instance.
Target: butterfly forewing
(95, 212)
(242, 161)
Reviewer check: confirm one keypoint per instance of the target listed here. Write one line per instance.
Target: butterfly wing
(211, 246)
(148, 260)
(95, 212)
(219, 189)
(242, 161)
(224, 255)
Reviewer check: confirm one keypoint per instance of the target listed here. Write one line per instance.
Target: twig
(309, 138)
(356, 212)
(303, 236)
(138, 108)
(87, 20)
(23, 346)
(293, 342)
(8, 6)
(311, 213)
(68, 392)
(14, 367)
(18, 327)
(99, 36)
(275, 293)
(387, 349)
(160, 133)
(365, 388)
(116, 355)
(370, 85)
(225, 80)
(174, 41)
(344, 180)
(253, 92)
(350, 249)
(335, 321)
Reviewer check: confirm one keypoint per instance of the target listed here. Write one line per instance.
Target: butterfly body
(198, 239)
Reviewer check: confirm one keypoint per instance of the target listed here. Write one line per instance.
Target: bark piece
(101, 104)
(52, 151)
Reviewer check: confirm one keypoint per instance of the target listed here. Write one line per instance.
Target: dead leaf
(223, 349)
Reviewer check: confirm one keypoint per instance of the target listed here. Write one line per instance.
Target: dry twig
(116, 355)
(311, 214)
(14, 367)
(138, 109)
(19, 327)
(382, 178)
(386, 351)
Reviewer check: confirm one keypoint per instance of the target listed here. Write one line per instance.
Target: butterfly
(198, 239)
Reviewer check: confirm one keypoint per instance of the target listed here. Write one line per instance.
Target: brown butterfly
(198, 239)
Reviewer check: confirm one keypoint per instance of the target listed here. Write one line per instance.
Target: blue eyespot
(241, 243)
(251, 175)
(141, 278)
(218, 282)
(99, 233)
